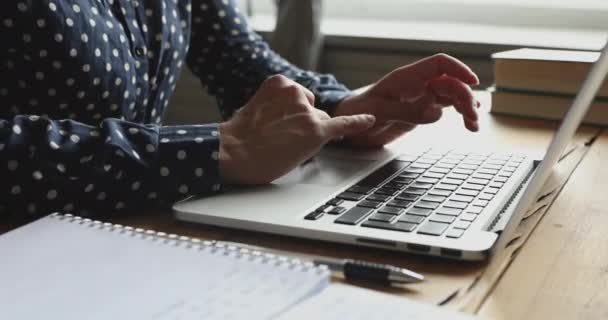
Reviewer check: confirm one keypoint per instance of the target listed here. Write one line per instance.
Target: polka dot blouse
(84, 85)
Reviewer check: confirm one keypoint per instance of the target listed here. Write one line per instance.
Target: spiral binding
(208, 246)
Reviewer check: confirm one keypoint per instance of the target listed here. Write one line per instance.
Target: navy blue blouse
(84, 85)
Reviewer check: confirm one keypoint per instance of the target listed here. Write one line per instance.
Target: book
(66, 267)
(547, 71)
(544, 106)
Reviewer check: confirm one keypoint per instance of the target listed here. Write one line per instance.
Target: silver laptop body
(449, 203)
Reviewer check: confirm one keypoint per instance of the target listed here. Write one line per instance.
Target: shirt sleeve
(63, 165)
(232, 60)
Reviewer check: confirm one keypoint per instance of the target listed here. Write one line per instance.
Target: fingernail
(369, 117)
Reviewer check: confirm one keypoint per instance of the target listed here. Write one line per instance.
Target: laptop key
(433, 228)
(467, 166)
(448, 211)
(394, 185)
(411, 218)
(408, 175)
(399, 203)
(470, 186)
(402, 180)
(443, 186)
(398, 226)
(433, 198)
(385, 191)
(434, 175)
(442, 218)
(492, 167)
(421, 185)
(486, 196)
(419, 211)
(470, 217)
(462, 198)
(445, 165)
(427, 180)
(501, 179)
(414, 170)
(369, 204)
(354, 215)
(496, 185)
(391, 210)
(439, 170)
(487, 171)
(465, 192)
(461, 224)
(475, 209)
(420, 165)
(478, 181)
(336, 210)
(439, 192)
(483, 176)
(454, 233)
(452, 181)
(350, 196)
(463, 171)
(407, 196)
(378, 197)
(382, 217)
(480, 203)
(360, 189)
(491, 190)
(457, 176)
(383, 173)
(426, 205)
(415, 191)
(314, 215)
(455, 204)
(335, 202)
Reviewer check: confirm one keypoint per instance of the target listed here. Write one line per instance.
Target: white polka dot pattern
(84, 85)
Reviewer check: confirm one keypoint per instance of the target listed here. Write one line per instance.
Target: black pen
(369, 271)
(347, 268)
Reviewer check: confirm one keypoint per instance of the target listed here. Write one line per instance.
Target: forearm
(233, 61)
(63, 165)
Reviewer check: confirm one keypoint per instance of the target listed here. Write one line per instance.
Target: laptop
(458, 204)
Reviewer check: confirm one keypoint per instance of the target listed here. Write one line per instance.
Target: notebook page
(338, 302)
(61, 270)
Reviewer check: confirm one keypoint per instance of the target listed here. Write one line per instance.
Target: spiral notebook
(66, 267)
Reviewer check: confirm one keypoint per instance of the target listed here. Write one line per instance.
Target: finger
(471, 125)
(443, 64)
(322, 115)
(346, 125)
(411, 80)
(309, 95)
(460, 93)
(412, 113)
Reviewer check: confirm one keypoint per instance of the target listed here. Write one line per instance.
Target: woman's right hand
(278, 129)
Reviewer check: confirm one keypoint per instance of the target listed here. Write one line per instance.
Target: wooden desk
(562, 263)
(562, 272)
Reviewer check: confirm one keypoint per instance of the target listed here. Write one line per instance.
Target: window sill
(465, 38)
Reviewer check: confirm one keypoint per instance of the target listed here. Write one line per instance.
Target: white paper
(53, 269)
(339, 302)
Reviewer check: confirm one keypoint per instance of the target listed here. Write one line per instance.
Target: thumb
(347, 125)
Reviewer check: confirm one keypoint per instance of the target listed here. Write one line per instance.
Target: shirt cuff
(188, 159)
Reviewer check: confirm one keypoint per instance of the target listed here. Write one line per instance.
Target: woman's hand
(411, 95)
(278, 129)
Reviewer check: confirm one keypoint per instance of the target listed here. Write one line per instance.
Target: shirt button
(140, 51)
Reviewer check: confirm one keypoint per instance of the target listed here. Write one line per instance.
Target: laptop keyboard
(433, 193)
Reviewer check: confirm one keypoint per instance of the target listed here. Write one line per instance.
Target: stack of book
(543, 83)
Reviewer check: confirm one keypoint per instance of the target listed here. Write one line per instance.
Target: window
(557, 14)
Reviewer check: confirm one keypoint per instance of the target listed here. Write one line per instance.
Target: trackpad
(326, 170)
